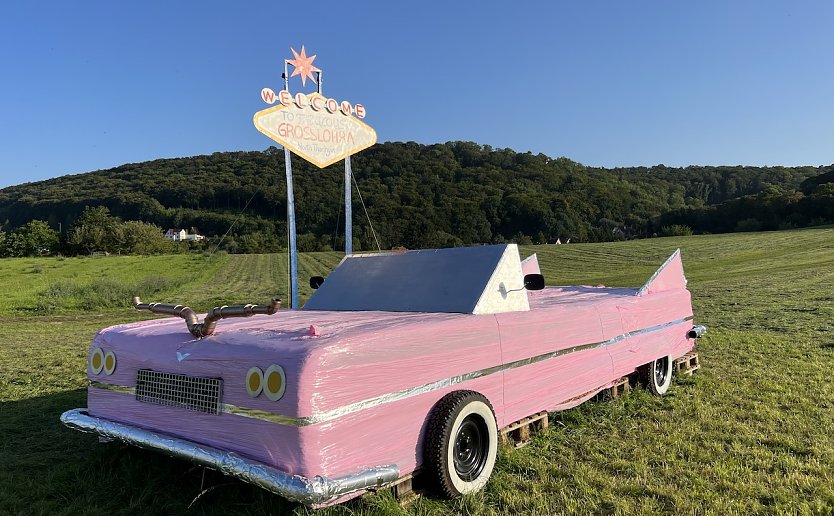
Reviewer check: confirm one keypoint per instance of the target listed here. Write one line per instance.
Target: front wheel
(461, 443)
(658, 375)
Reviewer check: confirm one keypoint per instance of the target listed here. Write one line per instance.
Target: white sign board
(320, 130)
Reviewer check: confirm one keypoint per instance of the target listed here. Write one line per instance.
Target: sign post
(319, 129)
(348, 209)
(291, 230)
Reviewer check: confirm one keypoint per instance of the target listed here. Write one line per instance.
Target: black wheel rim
(471, 444)
(661, 371)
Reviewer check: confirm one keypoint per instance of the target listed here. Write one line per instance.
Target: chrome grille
(179, 390)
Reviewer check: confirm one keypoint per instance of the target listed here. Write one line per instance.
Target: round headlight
(97, 361)
(109, 362)
(254, 381)
(275, 382)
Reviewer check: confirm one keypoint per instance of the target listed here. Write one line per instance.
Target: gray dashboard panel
(434, 280)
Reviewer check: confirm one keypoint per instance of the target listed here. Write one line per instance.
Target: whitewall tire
(658, 375)
(461, 443)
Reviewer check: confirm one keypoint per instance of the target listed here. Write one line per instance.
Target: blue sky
(91, 85)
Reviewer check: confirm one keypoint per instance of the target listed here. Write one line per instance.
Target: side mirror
(315, 282)
(533, 281)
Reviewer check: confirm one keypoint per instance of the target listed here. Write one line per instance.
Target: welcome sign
(321, 130)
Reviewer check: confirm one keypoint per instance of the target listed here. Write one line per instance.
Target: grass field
(752, 432)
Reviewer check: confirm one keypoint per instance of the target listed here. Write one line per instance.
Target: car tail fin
(530, 265)
(668, 277)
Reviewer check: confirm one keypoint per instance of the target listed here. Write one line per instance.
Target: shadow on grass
(46, 468)
(827, 345)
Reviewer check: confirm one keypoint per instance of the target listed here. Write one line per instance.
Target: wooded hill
(423, 196)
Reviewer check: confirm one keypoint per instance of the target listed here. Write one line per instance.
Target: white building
(181, 235)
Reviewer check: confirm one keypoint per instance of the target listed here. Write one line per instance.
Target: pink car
(399, 361)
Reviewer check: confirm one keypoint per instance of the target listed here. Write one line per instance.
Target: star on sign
(303, 65)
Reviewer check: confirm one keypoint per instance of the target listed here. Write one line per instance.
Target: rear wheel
(658, 375)
(461, 443)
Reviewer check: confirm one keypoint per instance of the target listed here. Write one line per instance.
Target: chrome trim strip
(110, 387)
(263, 415)
(312, 492)
(322, 417)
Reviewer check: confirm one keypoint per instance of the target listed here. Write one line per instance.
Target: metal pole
(286, 75)
(291, 213)
(348, 210)
(291, 229)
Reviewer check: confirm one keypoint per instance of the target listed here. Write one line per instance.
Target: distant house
(181, 235)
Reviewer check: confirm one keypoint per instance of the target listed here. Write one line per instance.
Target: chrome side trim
(322, 417)
(263, 415)
(316, 491)
(110, 387)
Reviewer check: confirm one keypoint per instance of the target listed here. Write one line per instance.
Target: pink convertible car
(398, 362)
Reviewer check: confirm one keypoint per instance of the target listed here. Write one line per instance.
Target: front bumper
(317, 491)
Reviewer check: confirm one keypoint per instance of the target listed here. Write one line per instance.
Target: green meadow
(751, 432)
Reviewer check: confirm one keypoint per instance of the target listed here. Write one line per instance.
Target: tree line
(812, 204)
(417, 196)
(95, 231)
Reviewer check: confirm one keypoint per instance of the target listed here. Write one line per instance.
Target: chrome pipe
(696, 332)
(316, 491)
(207, 327)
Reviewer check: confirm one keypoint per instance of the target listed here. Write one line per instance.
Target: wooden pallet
(622, 386)
(687, 364)
(519, 433)
(408, 488)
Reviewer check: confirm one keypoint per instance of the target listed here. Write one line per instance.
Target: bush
(99, 294)
(748, 225)
(105, 293)
(675, 230)
(57, 295)
(152, 285)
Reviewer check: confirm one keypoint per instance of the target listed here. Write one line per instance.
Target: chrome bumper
(312, 492)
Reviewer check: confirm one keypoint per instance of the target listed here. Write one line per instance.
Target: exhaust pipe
(696, 332)
(206, 328)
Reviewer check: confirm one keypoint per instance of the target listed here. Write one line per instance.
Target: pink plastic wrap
(530, 265)
(361, 385)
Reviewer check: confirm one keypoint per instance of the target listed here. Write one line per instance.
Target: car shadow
(48, 468)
